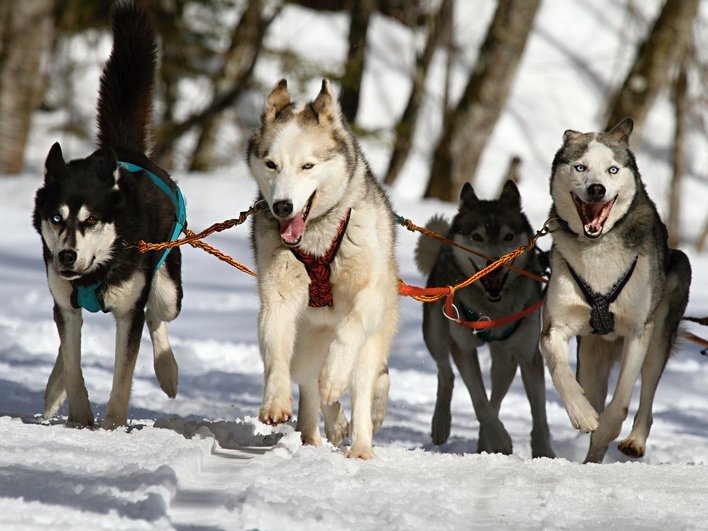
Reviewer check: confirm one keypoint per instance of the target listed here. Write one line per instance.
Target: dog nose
(67, 258)
(283, 208)
(596, 192)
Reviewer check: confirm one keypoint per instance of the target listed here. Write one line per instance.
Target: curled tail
(127, 82)
(428, 249)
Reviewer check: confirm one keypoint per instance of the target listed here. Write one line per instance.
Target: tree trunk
(360, 12)
(26, 31)
(438, 27)
(652, 69)
(239, 61)
(679, 160)
(461, 144)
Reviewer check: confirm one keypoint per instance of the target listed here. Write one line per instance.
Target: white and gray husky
(327, 273)
(616, 285)
(88, 210)
(492, 228)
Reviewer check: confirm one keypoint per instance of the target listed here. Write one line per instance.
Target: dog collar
(602, 320)
(318, 268)
(90, 297)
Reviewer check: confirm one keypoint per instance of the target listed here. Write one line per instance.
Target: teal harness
(88, 297)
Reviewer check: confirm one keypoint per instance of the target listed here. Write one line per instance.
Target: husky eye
(580, 167)
(508, 237)
(613, 169)
(55, 218)
(90, 221)
(308, 166)
(477, 237)
(271, 165)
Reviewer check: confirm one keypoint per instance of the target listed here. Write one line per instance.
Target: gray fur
(492, 221)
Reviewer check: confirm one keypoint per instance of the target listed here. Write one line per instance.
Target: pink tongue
(291, 229)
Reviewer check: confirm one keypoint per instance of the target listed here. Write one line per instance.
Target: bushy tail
(428, 249)
(127, 82)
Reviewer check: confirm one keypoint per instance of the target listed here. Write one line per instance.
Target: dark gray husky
(492, 228)
(616, 285)
(89, 209)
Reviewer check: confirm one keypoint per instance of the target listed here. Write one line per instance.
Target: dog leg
(595, 360)
(554, 347)
(276, 336)
(378, 407)
(436, 333)
(365, 381)
(308, 414)
(493, 437)
(532, 375)
(165, 364)
(335, 423)
(128, 331)
(69, 322)
(667, 317)
(163, 305)
(55, 392)
(612, 417)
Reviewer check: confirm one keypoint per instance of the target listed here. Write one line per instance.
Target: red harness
(318, 268)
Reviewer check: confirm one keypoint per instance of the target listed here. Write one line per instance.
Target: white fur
(327, 351)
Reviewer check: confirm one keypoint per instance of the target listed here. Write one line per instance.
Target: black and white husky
(89, 211)
(492, 228)
(616, 285)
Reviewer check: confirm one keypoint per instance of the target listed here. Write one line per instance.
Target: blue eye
(580, 167)
(308, 166)
(613, 169)
(55, 218)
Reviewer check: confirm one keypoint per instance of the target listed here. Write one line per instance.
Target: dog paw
(363, 452)
(632, 447)
(309, 440)
(167, 373)
(582, 415)
(332, 386)
(337, 430)
(440, 431)
(276, 411)
(111, 422)
(81, 415)
(493, 438)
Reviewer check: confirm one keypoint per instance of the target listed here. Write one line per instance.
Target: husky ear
(510, 195)
(571, 135)
(467, 195)
(55, 166)
(277, 100)
(621, 132)
(106, 165)
(325, 106)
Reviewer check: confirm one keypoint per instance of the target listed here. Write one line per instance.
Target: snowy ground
(203, 461)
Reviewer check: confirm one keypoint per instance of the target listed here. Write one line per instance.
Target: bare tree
(654, 64)
(461, 144)
(360, 12)
(238, 63)
(26, 30)
(680, 100)
(439, 26)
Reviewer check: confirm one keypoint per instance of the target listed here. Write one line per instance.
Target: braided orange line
(407, 223)
(218, 254)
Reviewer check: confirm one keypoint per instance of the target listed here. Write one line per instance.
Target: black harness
(602, 320)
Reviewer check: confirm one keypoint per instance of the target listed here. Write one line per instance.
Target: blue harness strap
(88, 297)
(176, 198)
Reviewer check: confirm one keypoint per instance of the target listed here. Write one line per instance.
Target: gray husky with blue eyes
(492, 228)
(616, 286)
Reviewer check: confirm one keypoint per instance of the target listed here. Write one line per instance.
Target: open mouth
(493, 282)
(593, 215)
(292, 229)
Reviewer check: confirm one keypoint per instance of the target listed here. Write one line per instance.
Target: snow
(204, 461)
